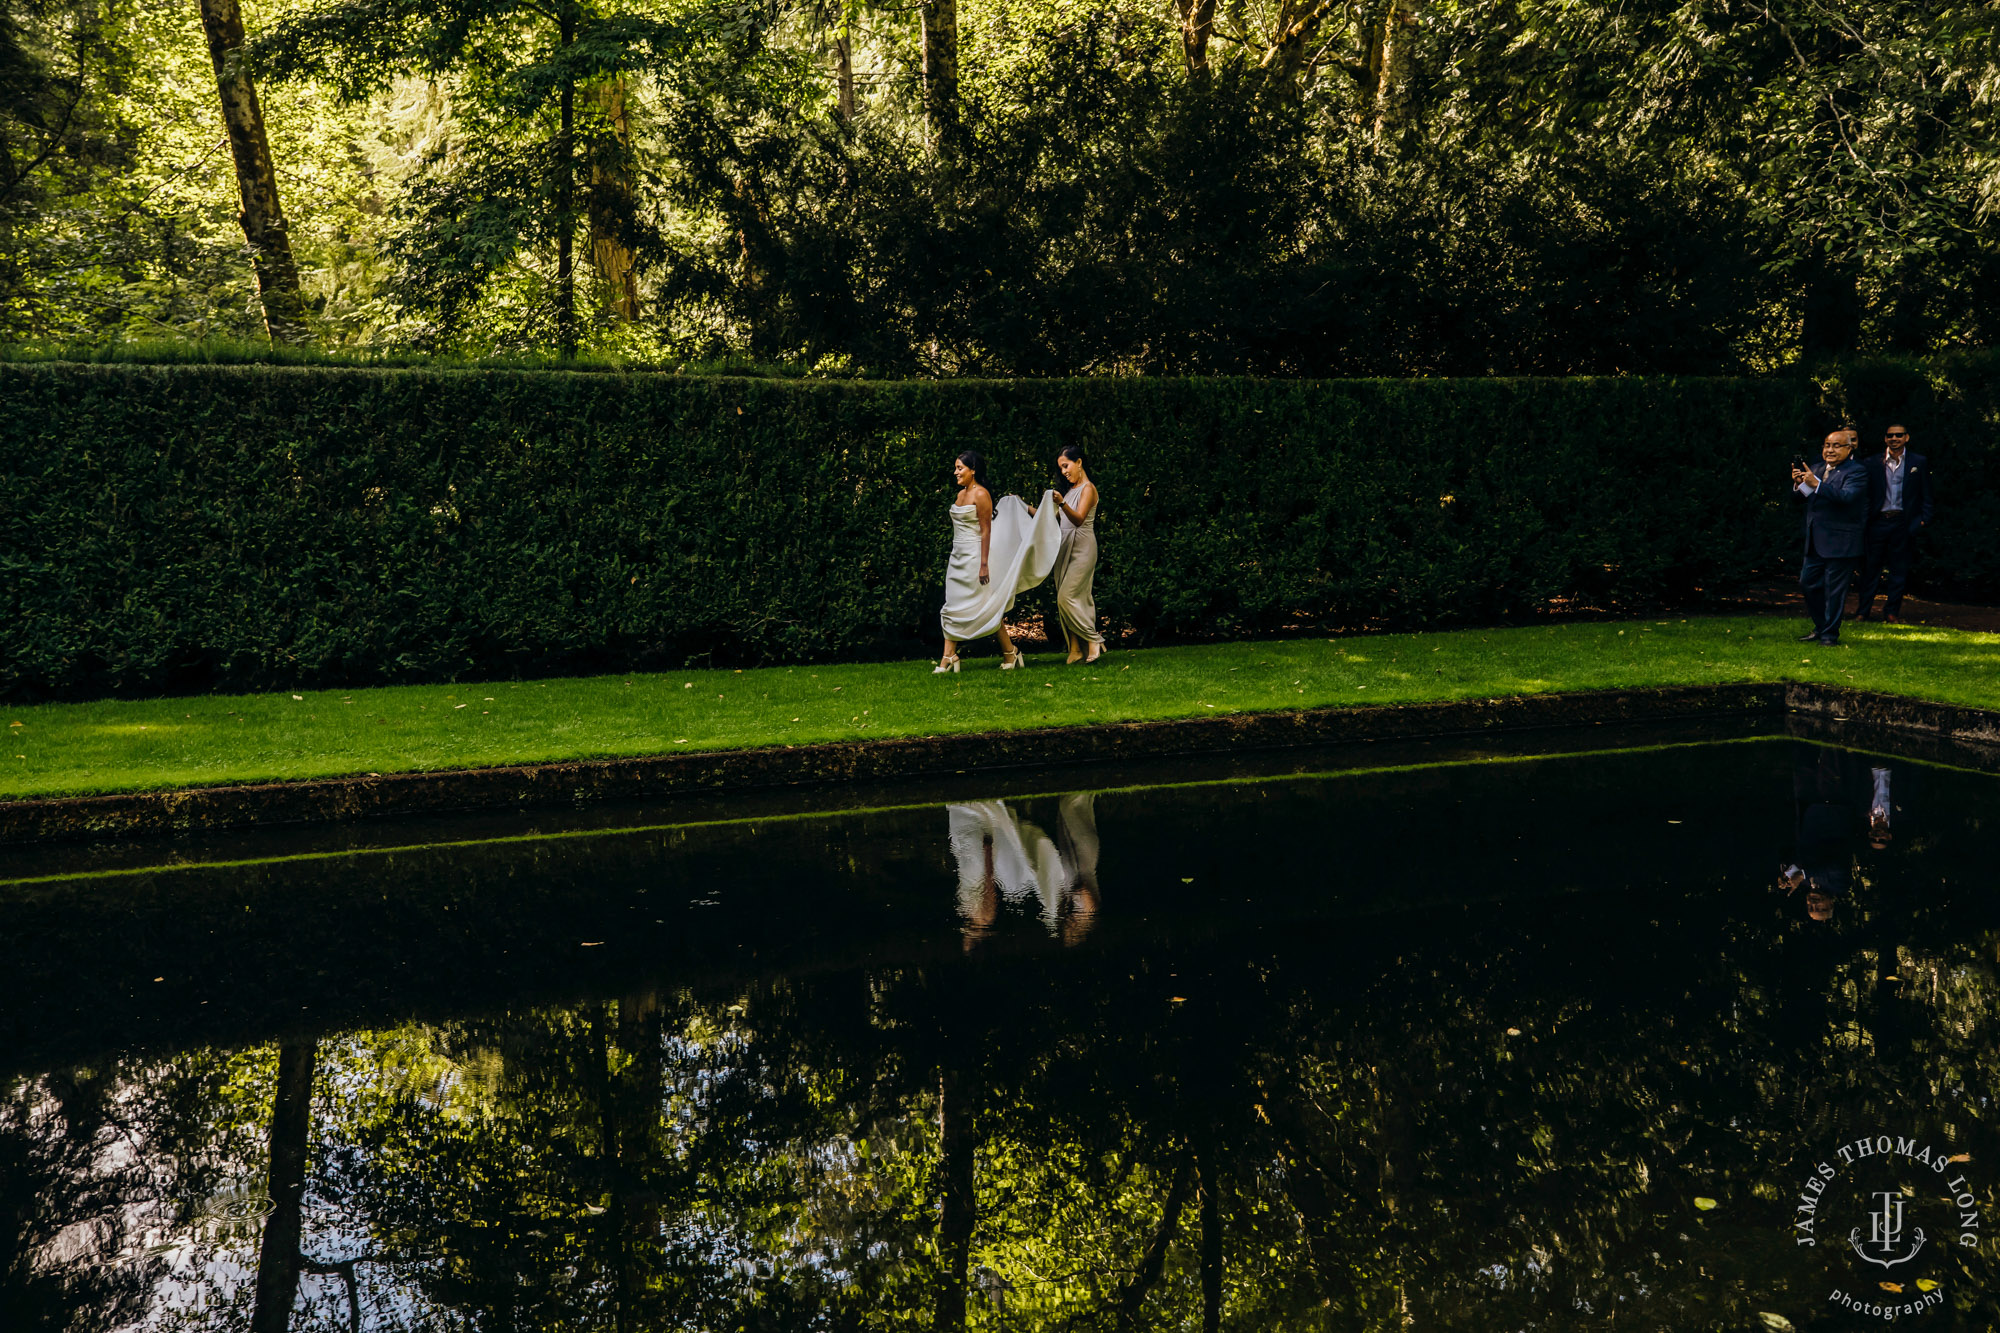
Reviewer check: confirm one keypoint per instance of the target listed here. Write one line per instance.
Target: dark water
(1536, 1044)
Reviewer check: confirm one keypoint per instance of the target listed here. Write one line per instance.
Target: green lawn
(156, 743)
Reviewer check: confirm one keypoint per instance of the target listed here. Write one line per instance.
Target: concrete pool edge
(585, 782)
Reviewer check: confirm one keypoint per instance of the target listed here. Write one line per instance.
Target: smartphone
(1798, 461)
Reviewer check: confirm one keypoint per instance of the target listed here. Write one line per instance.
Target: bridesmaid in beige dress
(1076, 560)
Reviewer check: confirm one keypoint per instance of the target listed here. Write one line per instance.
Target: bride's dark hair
(1073, 452)
(975, 460)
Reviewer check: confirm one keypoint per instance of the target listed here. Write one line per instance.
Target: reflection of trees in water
(71, 1170)
(1489, 1125)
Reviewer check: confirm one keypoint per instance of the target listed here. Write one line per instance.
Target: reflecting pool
(1535, 1041)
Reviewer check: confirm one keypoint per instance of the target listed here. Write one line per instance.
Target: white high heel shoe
(945, 664)
(1009, 663)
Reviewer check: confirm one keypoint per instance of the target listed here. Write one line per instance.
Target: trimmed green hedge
(196, 527)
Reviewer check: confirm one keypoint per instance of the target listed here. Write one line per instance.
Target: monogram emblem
(1885, 1233)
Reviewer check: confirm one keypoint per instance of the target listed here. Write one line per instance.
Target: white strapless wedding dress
(1022, 553)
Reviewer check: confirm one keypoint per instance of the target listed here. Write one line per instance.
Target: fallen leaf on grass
(1959, 1157)
(1705, 1204)
(1925, 1284)
(1896, 1287)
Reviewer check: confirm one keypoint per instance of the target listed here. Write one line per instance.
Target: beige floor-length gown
(1075, 570)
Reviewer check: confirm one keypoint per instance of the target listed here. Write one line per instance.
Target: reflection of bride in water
(1002, 856)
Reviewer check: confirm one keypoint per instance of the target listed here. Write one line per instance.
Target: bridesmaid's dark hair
(975, 460)
(1073, 452)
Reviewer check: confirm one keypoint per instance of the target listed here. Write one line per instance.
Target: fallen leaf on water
(1704, 1204)
(1896, 1287)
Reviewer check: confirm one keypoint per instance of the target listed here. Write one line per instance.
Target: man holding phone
(1836, 515)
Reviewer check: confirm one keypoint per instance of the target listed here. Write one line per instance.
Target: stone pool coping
(583, 782)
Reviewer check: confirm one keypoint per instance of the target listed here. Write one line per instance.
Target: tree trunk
(628, 1105)
(843, 68)
(940, 19)
(1832, 324)
(1154, 1261)
(1397, 68)
(1211, 1241)
(1197, 23)
(611, 205)
(262, 219)
(565, 190)
(278, 1259)
(957, 1214)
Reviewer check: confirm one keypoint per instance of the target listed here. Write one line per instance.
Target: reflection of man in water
(1881, 808)
(1003, 857)
(1830, 789)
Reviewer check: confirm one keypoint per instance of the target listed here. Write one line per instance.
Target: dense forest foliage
(1010, 187)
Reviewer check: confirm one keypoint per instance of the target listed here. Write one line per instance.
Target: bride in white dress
(998, 551)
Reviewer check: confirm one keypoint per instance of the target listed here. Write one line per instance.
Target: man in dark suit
(1899, 504)
(1836, 515)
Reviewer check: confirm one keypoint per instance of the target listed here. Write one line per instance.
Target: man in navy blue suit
(1899, 504)
(1836, 515)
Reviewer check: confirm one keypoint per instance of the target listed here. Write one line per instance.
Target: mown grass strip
(157, 744)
